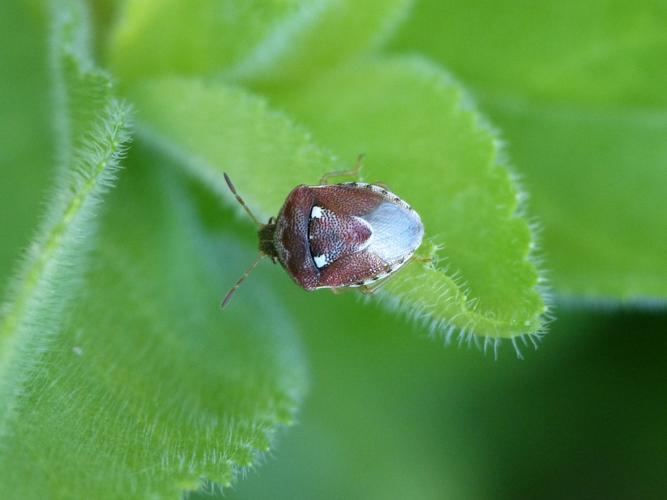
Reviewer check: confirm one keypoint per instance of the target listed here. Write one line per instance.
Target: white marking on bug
(320, 261)
(316, 212)
(395, 233)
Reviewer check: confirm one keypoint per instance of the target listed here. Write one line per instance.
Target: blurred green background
(394, 414)
(391, 415)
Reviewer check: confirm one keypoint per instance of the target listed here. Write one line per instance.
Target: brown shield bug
(334, 236)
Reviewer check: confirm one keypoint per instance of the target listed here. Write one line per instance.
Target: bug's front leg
(383, 185)
(354, 172)
(371, 289)
(422, 259)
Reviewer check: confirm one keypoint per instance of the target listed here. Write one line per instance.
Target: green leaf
(119, 376)
(598, 52)
(148, 387)
(176, 36)
(411, 421)
(578, 90)
(212, 127)
(261, 40)
(24, 112)
(438, 156)
(329, 33)
(424, 139)
(602, 236)
(382, 377)
(94, 130)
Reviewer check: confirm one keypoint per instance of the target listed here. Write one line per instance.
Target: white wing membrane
(397, 232)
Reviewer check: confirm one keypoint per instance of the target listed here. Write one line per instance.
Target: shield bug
(352, 234)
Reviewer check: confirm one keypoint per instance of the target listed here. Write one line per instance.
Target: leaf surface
(24, 112)
(260, 40)
(119, 376)
(93, 131)
(420, 137)
(149, 388)
(578, 89)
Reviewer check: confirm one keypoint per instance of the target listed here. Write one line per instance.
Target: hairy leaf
(438, 156)
(213, 127)
(119, 376)
(424, 140)
(600, 184)
(93, 132)
(414, 422)
(149, 388)
(578, 88)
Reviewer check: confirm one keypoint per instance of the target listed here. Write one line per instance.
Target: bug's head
(266, 246)
(265, 236)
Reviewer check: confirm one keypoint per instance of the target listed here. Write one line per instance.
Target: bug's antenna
(240, 200)
(250, 269)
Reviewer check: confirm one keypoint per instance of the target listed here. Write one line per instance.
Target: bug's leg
(354, 172)
(371, 289)
(422, 259)
(337, 291)
(382, 185)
